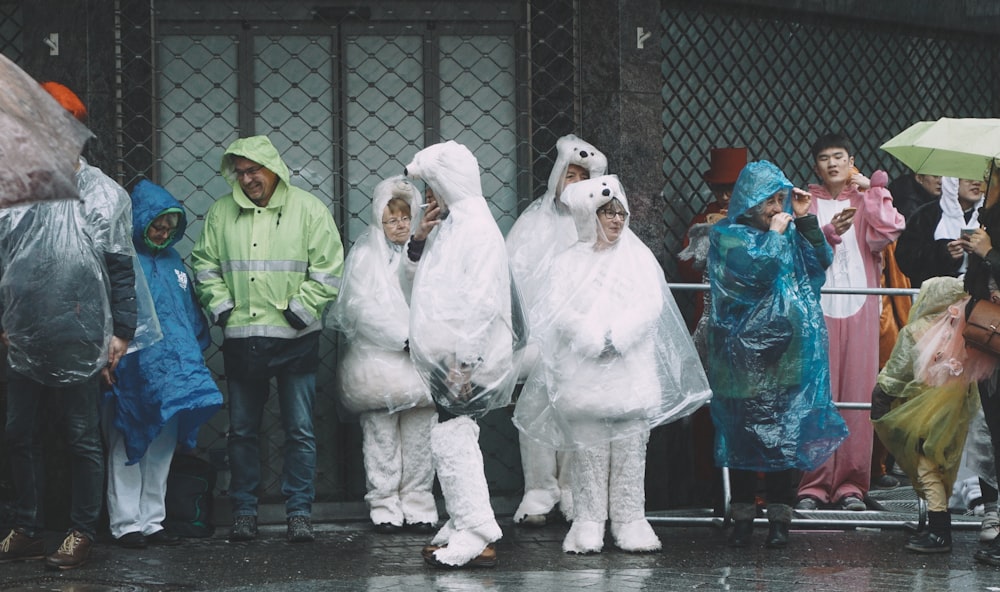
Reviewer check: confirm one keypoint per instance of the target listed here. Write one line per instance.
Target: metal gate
(347, 104)
(774, 80)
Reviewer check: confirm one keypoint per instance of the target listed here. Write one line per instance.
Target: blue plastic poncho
(616, 356)
(767, 341)
(168, 378)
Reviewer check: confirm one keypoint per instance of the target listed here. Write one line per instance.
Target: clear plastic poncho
(933, 418)
(39, 141)
(54, 286)
(466, 326)
(616, 356)
(545, 229)
(767, 340)
(376, 372)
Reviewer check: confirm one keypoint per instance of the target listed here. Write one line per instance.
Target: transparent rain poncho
(767, 341)
(545, 228)
(55, 287)
(466, 326)
(376, 372)
(39, 140)
(936, 407)
(616, 356)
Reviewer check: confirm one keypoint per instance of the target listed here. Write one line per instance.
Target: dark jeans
(779, 486)
(249, 366)
(989, 396)
(75, 408)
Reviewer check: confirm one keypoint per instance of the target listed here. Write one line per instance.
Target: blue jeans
(28, 405)
(296, 394)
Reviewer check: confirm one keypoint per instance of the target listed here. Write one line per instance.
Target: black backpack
(190, 491)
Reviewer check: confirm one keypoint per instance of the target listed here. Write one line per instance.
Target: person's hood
(584, 197)
(450, 169)
(260, 150)
(397, 186)
(936, 294)
(572, 150)
(757, 182)
(950, 207)
(149, 201)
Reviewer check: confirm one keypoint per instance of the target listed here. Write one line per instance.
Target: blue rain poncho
(168, 378)
(376, 373)
(616, 356)
(767, 341)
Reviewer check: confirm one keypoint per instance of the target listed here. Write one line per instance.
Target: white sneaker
(990, 527)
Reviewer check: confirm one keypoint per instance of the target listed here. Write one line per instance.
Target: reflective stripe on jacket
(260, 261)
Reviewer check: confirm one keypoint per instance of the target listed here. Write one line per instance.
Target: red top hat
(726, 165)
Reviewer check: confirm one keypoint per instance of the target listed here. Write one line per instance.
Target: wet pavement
(350, 557)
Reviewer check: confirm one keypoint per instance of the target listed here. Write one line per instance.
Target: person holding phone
(931, 246)
(859, 220)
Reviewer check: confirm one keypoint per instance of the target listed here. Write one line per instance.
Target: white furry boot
(626, 487)
(459, 464)
(590, 500)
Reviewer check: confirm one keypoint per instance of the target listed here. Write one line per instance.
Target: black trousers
(779, 486)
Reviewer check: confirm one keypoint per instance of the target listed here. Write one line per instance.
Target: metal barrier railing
(835, 517)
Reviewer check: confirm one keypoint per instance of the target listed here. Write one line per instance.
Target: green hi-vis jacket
(259, 261)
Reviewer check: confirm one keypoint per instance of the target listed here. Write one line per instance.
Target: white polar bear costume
(542, 231)
(616, 361)
(378, 380)
(465, 338)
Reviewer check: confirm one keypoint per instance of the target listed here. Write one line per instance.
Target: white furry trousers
(398, 466)
(609, 481)
(547, 480)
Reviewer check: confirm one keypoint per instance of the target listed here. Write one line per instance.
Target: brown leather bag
(982, 328)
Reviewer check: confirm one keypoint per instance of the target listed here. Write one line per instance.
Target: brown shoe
(74, 552)
(488, 558)
(21, 547)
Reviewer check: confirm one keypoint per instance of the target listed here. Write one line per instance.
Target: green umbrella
(962, 148)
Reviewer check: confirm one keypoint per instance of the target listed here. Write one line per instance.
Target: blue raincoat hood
(149, 200)
(757, 182)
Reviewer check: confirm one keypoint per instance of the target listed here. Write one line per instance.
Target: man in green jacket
(267, 263)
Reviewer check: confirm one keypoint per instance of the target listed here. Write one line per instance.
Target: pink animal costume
(853, 324)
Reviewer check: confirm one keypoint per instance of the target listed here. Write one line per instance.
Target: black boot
(742, 530)
(743, 515)
(937, 537)
(779, 518)
(990, 555)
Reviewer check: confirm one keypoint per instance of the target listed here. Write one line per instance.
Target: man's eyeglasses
(611, 214)
(396, 221)
(249, 171)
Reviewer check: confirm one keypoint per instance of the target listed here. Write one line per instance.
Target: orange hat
(726, 165)
(67, 98)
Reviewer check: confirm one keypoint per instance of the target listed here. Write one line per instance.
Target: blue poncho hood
(757, 182)
(149, 201)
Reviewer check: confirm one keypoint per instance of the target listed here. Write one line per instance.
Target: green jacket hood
(260, 150)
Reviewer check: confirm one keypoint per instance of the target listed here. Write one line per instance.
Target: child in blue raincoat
(161, 395)
(767, 345)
